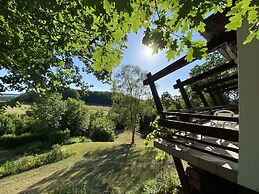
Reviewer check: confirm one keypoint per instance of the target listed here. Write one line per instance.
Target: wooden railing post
(156, 98)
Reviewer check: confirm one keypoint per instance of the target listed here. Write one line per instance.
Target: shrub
(7, 125)
(76, 117)
(22, 123)
(102, 129)
(26, 163)
(79, 139)
(48, 113)
(12, 140)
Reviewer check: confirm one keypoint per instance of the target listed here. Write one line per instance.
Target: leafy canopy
(40, 39)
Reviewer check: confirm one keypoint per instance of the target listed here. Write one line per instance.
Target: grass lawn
(111, 167)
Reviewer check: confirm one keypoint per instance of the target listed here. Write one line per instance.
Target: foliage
(97, 97)
(39, 39)
(27, 97)
(76, 117)
(48, 113)
(102, 129)
(26, 163)
(73, 140)
(160, 184)
(6, 124)
(12, 140)
(70, 93)
(129, 91)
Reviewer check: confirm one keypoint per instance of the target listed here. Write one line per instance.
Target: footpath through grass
(96, 167)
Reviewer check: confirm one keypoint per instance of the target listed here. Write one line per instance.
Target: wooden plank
(229, 88)
(221, 133)
(182, 176)
(218, 81)
(156, 98)
(203, 116)
(202, 150)
(207, 74)
(223, 86)
(206, 143)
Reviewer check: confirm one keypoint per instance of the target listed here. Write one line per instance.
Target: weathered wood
(203, 116)
(235, 87)
(156, 98)
(185, 96)
(206, 74)
(202, 150)
(223, 86)
(221, 133)
(217, 82)
(213, 97)
(182, 176)
(202, 97)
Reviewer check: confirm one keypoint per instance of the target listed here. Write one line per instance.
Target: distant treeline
(89, 97)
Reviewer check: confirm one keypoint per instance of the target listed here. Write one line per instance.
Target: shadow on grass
(120, 168)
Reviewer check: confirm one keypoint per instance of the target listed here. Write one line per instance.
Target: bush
(48, 113)
(76, 117)
(102, 129)
(7, 125)
(12, 140)
(26, 163)
(73, 140)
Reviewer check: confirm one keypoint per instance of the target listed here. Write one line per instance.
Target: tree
(40, 39)
(129, 91)
(70, 93)
(166, 100)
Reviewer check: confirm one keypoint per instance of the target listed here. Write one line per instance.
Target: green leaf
(189, 55)
(118, 34)
(235, 22)
(249, 38)
(170, 54)
(252, 16)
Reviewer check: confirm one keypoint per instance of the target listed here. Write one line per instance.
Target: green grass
(96, 167)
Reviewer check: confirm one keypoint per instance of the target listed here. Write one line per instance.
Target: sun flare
(149, 51)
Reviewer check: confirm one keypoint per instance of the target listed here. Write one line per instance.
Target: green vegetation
(27, 162)
(98, 167)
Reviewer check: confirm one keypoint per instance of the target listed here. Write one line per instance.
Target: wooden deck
(216, 165)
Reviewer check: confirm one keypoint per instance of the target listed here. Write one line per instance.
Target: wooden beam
(223, 86)
(182, 176)
(185, 96)
(156, 98)
(213, 97)
(221, 133)
(212, 45)
(202, 97)
(207, 74)
(203, 116)
(218, 81)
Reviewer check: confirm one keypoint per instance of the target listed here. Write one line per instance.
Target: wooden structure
(208, 149)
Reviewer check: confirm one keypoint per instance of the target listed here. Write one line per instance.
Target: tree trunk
(133, 136)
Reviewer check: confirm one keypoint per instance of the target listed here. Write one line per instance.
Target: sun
(148, 51)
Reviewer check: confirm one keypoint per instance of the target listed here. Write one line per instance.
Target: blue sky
(136, 54)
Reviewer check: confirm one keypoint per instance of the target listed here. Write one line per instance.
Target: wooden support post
(184, 95)
(182, 176)
(202, 97)
(213, 98)
(156, 98)
(221, 99)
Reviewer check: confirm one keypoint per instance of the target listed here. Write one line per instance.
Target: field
(99, 167)
(22, 109)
